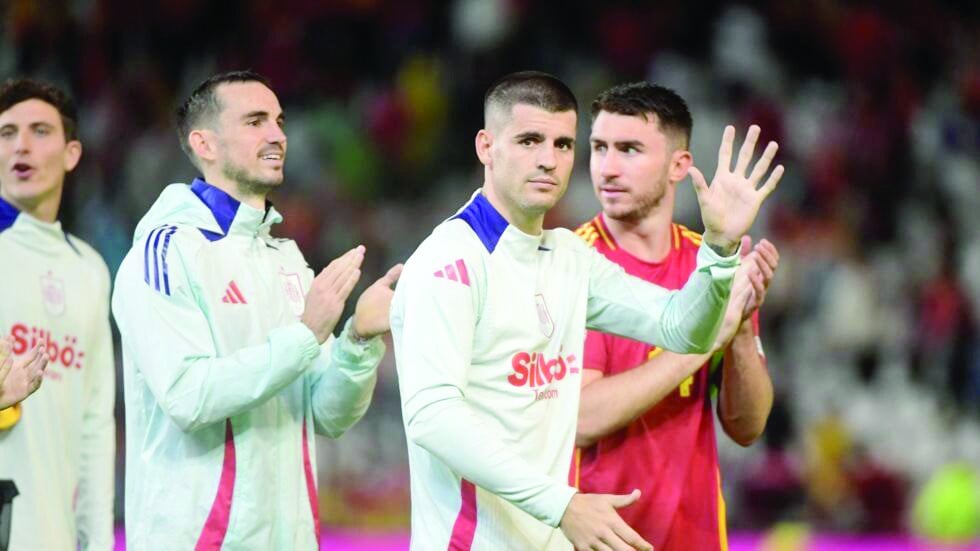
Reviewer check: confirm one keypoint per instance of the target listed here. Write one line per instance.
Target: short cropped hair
(640, 99)
(14, 91)
(531, 88)
(203, 105)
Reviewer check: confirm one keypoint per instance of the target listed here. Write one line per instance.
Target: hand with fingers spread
(20, 377)
(371, 312)
(729, 206)
(329, 292)
(591, 522)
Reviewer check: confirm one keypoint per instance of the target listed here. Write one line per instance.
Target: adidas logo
(455, 272)
(233, 295)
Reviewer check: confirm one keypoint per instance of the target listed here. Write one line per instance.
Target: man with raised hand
(489, 323)
(645, 414)
(229, 362)
(58, 446)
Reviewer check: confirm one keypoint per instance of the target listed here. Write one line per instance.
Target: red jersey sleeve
(596, 356)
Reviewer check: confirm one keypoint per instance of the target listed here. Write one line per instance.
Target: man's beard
(641, 207)
(248, 184)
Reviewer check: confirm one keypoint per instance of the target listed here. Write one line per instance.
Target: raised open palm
(730, 204)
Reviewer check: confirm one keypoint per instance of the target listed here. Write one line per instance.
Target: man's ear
(203, 144)
(483, 142)
(680, 162)
(73, 154)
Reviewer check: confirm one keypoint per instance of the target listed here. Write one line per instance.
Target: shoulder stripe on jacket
(158, 250)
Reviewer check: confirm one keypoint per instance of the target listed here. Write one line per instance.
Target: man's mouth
(23, 171)
(612, 191)
(543, 181)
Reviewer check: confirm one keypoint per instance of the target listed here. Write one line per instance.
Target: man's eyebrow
(530, 135)
(636, 144)
(256, 114)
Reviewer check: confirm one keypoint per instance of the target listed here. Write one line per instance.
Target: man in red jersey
(645, 414)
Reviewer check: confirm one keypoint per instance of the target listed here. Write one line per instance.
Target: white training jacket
(54, 289)
(224, 386)
(489, 327)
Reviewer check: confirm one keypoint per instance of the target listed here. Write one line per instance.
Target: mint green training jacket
(224, 386)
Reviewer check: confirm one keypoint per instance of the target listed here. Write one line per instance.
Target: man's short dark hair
(203, 104)
(641, 99)
(16, 90)
(532, 88)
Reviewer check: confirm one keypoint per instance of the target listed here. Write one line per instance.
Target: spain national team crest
(53, 294)
(545, 322)
(293, 287)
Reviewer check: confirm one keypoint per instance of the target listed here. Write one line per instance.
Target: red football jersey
(669, 452)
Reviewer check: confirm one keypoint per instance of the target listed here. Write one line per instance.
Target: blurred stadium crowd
(871, 328)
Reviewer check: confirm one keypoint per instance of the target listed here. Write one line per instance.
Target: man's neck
(231, 187)
(647, 238)
(531, 224)
(44, 209)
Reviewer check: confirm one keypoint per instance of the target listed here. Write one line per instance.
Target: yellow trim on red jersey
(578, 466)
(588, 233)
(692, 236)
(602, 231)
(677, 236)
(584, 229)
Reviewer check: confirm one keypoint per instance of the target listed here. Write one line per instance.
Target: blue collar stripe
(8, 214)
(222, 206)
(486, 222)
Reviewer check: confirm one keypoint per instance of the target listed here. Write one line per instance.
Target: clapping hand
(20, 377)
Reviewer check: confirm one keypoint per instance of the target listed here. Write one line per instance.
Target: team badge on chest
(53, 294)
(545, 322)
(293, 287)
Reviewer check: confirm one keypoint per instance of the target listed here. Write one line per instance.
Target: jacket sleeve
(96, 486)
(433, 325)
(167, 333)
(343, 380)
(684, 321)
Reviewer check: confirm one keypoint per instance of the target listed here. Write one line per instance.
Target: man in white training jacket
(58, 446)
(489, 324)
(228, 359)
